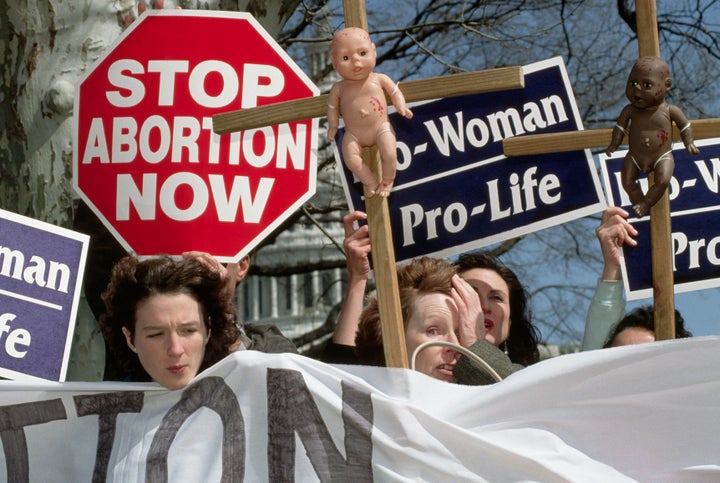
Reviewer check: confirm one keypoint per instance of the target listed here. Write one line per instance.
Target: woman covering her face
(437, 305)
(504, 300)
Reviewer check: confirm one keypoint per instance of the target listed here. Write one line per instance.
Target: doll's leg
(663, 171)
(628, 175)
(388, 155)
(352, 154)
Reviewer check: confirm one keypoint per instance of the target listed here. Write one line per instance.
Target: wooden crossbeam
(595, 138)
(492, 80)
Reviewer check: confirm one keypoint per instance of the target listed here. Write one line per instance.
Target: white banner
(646, 413)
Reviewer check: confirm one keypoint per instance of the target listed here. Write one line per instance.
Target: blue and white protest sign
(694, 214)
(41, 267)
(455, 190)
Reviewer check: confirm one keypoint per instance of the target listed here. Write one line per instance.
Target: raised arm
(607, 305)
(620, 129)
(333, 111)
(357, 251)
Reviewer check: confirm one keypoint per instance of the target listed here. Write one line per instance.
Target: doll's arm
(333, 111)
(396, 95)
(620, 129)
(681, 121)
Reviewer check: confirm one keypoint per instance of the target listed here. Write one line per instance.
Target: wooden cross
(383, 253)
(660, 232)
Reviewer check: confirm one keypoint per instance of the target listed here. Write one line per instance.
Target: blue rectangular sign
(41, 267)
(695, 218)
(455, 191)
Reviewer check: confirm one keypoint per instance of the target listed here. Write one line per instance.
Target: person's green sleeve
(606, 309)
(471, 373)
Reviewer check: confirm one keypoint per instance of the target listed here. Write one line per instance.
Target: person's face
(170, 338)
(433, 316)
(647, 85)
(633, 335)
(495, 301)
(353, 55)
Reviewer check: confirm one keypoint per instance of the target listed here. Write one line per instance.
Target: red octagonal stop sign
(146, 158)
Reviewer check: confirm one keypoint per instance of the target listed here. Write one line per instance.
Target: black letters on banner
(107, 406)
(212, 393)
(12, 421)
(291, 409)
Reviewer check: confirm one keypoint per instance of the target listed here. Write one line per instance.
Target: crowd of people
(468, 321)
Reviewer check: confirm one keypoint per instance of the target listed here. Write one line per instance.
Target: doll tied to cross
(647, 121)
(360, 99)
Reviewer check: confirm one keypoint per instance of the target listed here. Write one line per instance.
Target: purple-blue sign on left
(41, 267)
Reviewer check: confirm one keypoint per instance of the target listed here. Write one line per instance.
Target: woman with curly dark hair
(167, 319)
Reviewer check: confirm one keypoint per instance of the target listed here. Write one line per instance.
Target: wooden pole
(383, 252)
(355, 13)
(660, 229)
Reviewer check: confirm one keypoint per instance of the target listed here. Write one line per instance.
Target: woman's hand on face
(471, 323)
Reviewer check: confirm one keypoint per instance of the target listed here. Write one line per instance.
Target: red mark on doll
(377, 105)
(663, 136)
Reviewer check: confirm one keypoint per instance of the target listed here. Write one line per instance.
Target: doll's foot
(368, 191)
(641, 208)
(384, 188)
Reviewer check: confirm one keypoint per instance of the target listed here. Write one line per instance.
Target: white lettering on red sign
(185, 136)
(258, 81)
(147, 158)
(142, 197)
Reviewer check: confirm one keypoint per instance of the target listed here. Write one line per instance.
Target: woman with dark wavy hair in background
(508, 324)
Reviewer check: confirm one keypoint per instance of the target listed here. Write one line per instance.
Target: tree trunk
(47, 46)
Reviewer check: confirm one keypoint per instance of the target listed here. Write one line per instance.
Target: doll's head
(648, 82)
(352, 53)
